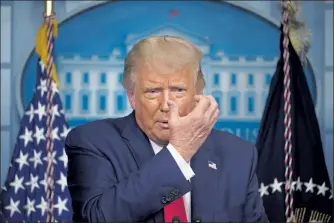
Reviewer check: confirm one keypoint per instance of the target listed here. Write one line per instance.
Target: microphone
(175, 219)
(197, 220)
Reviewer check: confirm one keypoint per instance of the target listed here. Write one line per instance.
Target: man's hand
(188, 133)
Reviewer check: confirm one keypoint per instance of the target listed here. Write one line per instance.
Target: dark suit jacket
(114, 176)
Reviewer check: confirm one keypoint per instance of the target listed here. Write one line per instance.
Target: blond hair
(174, 52)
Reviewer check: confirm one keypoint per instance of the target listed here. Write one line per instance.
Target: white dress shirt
(185, 169)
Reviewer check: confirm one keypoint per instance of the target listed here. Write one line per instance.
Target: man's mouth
(163, 124)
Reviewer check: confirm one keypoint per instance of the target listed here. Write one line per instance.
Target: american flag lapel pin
(212, 165)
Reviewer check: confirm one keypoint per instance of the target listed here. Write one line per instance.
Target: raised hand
(188, 133)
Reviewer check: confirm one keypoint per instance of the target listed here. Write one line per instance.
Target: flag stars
(44, 183)
(61, 205)
(276, 186)
(22, 160)
(54, 134)
(33, 183)
(55, 111)
(299, 185)
(25, 187)
(30, 206)
(36, 159)
(62, 182)
(65, 131)
(52, 157)
(322, 189)
(4, 188)
(263, 190)
(54, 87)
(27, 136)
(17, 184)
(13, 207)
(296, 186)
(40, 111)
(43, 87)
(30, 112)
(64, 158)
(309, 186)
(43, 206)
(42, 66)
(39, 134)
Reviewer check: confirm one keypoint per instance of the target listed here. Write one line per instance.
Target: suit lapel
(137, 141)
(140, 148)
(205, 182)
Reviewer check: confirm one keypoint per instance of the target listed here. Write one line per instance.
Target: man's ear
(131, 97)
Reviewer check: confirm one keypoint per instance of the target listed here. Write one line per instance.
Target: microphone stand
(197, 220)
(175, 219)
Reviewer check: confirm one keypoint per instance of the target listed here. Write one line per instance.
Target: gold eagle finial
(299, 35)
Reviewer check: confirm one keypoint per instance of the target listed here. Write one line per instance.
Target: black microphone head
(176, 219)
(197, 220)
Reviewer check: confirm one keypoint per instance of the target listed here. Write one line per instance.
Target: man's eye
(179, 90)
(151, 91)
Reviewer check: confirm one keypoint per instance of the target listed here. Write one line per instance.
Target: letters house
(91, 87)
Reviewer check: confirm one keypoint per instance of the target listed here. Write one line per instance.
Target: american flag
(212, 165)
(24, 195)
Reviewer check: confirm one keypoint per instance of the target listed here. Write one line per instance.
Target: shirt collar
(156, 148)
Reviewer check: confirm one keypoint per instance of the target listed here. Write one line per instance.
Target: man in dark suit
(164, 159)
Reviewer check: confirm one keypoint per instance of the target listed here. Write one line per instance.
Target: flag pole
(48, 19)
(48, 8)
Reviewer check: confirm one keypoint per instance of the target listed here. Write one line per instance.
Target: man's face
(152, 90)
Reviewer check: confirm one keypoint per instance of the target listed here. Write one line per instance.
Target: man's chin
(162, 138)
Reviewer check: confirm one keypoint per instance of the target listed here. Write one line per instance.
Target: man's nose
(165, 96)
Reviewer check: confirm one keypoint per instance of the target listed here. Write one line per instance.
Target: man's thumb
(173, 110)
